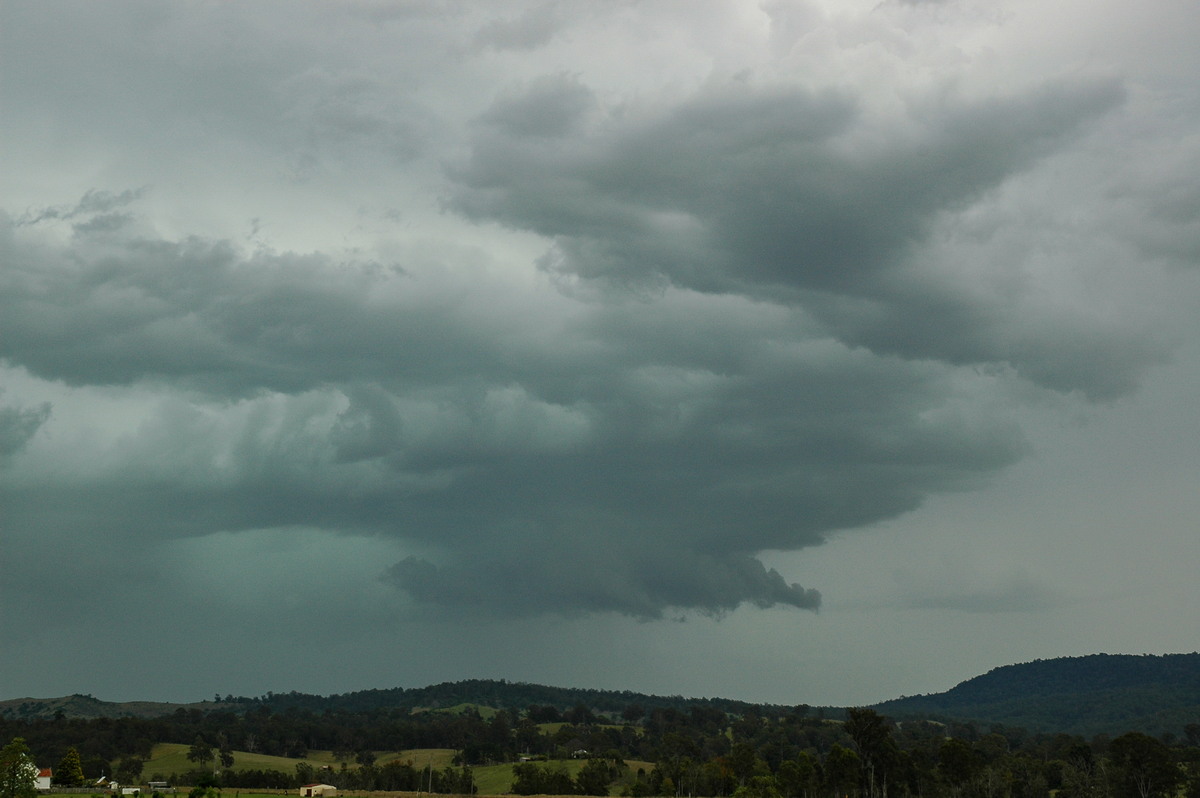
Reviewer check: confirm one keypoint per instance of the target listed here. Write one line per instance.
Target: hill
(85, 706)
(484, 695)
(495, 693)
(1095, 694)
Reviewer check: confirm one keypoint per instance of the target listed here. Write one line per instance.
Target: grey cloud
(18, 425)
(767, 361)
(533, 28)
(757, 193)
(346, 116)
(370, 427)
(230, 86)
(551, 105)
(551, 455)
(95, 204)
(592, 583)
(196, 312)
(1064, 350)
(1018, 593)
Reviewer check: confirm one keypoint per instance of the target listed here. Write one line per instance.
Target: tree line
(702, 750)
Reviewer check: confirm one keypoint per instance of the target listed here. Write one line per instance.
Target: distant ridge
(498, 694)
(85, 706)
(1089, 695)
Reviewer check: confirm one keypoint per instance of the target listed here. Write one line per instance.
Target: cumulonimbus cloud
(736, 343)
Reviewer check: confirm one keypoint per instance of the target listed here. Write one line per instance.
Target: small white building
(43, 779)
(314, 790)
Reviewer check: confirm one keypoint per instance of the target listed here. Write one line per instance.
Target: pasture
(168, 758)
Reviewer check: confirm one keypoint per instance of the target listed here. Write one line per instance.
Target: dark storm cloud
(742, 337)
(759, 193)
(552, 455)
(596, 578)
(115, 310)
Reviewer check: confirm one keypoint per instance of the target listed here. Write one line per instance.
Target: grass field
(168, 758)
(352, 794)
(497, 779)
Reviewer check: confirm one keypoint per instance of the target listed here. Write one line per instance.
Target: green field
(167, 758)
(497, 779)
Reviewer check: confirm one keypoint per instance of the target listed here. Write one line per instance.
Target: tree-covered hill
(1095, 694)
(497, 694)
(86, 706)
(1002, 728)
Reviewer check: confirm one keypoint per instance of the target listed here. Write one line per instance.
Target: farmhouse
(314, 790)
(43, 779)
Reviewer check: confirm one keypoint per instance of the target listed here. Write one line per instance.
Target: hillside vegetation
(1015, 732)
(1095, 694)
(1100, 693)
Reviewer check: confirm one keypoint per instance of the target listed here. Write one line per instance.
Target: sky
(802, 352)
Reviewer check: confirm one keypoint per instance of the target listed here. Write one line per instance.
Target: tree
(94, 767)
(69, 772)
(799, 777)
(871, 734)
(1082, 775)
(742, 761)
(529, 779)
(842, 768)
(758, 787)
(129, 770)
(18, 774)
(207, 786)
(579, 715)
(1144, 766)
(594, 777)
(201, 752)
(959, 764)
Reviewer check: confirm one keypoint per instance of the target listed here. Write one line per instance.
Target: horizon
(224, 696)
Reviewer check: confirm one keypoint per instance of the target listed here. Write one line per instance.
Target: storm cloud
(558, 455)
(564, 312)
